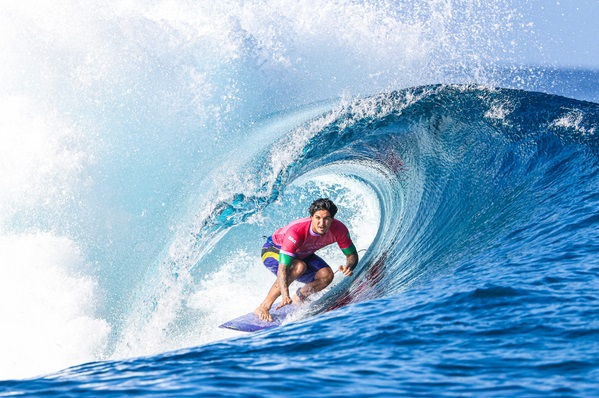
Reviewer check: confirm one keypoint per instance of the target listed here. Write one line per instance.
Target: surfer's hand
(347, 271)
(286, 300)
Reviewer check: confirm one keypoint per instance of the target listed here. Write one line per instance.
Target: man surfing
(289, 254)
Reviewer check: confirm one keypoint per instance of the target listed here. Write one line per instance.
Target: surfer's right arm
(282, 280)
(287, 256)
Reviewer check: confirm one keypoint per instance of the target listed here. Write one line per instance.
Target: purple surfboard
(251, 323)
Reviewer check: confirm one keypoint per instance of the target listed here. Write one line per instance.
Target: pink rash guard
(297, 240)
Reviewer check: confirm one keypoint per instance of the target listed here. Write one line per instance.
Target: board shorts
(270, 258)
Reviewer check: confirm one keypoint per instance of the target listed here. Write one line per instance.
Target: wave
(428, 178)
(142, 150)
(493, 189)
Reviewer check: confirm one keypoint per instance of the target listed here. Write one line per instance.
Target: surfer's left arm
(350, 264)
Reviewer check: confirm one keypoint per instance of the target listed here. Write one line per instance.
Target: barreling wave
(456, 170)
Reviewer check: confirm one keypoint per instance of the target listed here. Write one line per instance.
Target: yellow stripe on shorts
(270, 254)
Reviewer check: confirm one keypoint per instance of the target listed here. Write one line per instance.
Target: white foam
(499, 110)
(574, 119)
(48, 312)
(39, 162)
(47, 295)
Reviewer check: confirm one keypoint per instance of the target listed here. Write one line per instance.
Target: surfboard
(251, 323)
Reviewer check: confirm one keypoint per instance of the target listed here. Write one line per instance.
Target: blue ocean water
(148, 148)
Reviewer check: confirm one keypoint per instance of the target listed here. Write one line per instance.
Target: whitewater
(146, 148)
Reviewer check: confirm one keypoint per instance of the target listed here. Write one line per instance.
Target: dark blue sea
(148, 148)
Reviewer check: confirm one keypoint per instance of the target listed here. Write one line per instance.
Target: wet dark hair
(323, 204)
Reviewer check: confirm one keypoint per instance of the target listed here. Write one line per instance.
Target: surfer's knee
(299, 267)
(326, 275)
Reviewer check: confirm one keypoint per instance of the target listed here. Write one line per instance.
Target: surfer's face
(321, 221)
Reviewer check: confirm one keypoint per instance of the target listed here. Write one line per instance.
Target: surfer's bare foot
(263, 314)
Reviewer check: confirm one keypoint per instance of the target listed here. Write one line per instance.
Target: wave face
(147, 148)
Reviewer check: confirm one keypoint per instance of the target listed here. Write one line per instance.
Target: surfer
(289, 254)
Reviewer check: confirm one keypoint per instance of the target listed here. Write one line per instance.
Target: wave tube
(426, 178)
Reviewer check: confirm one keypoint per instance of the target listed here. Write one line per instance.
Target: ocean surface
(147, 148)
